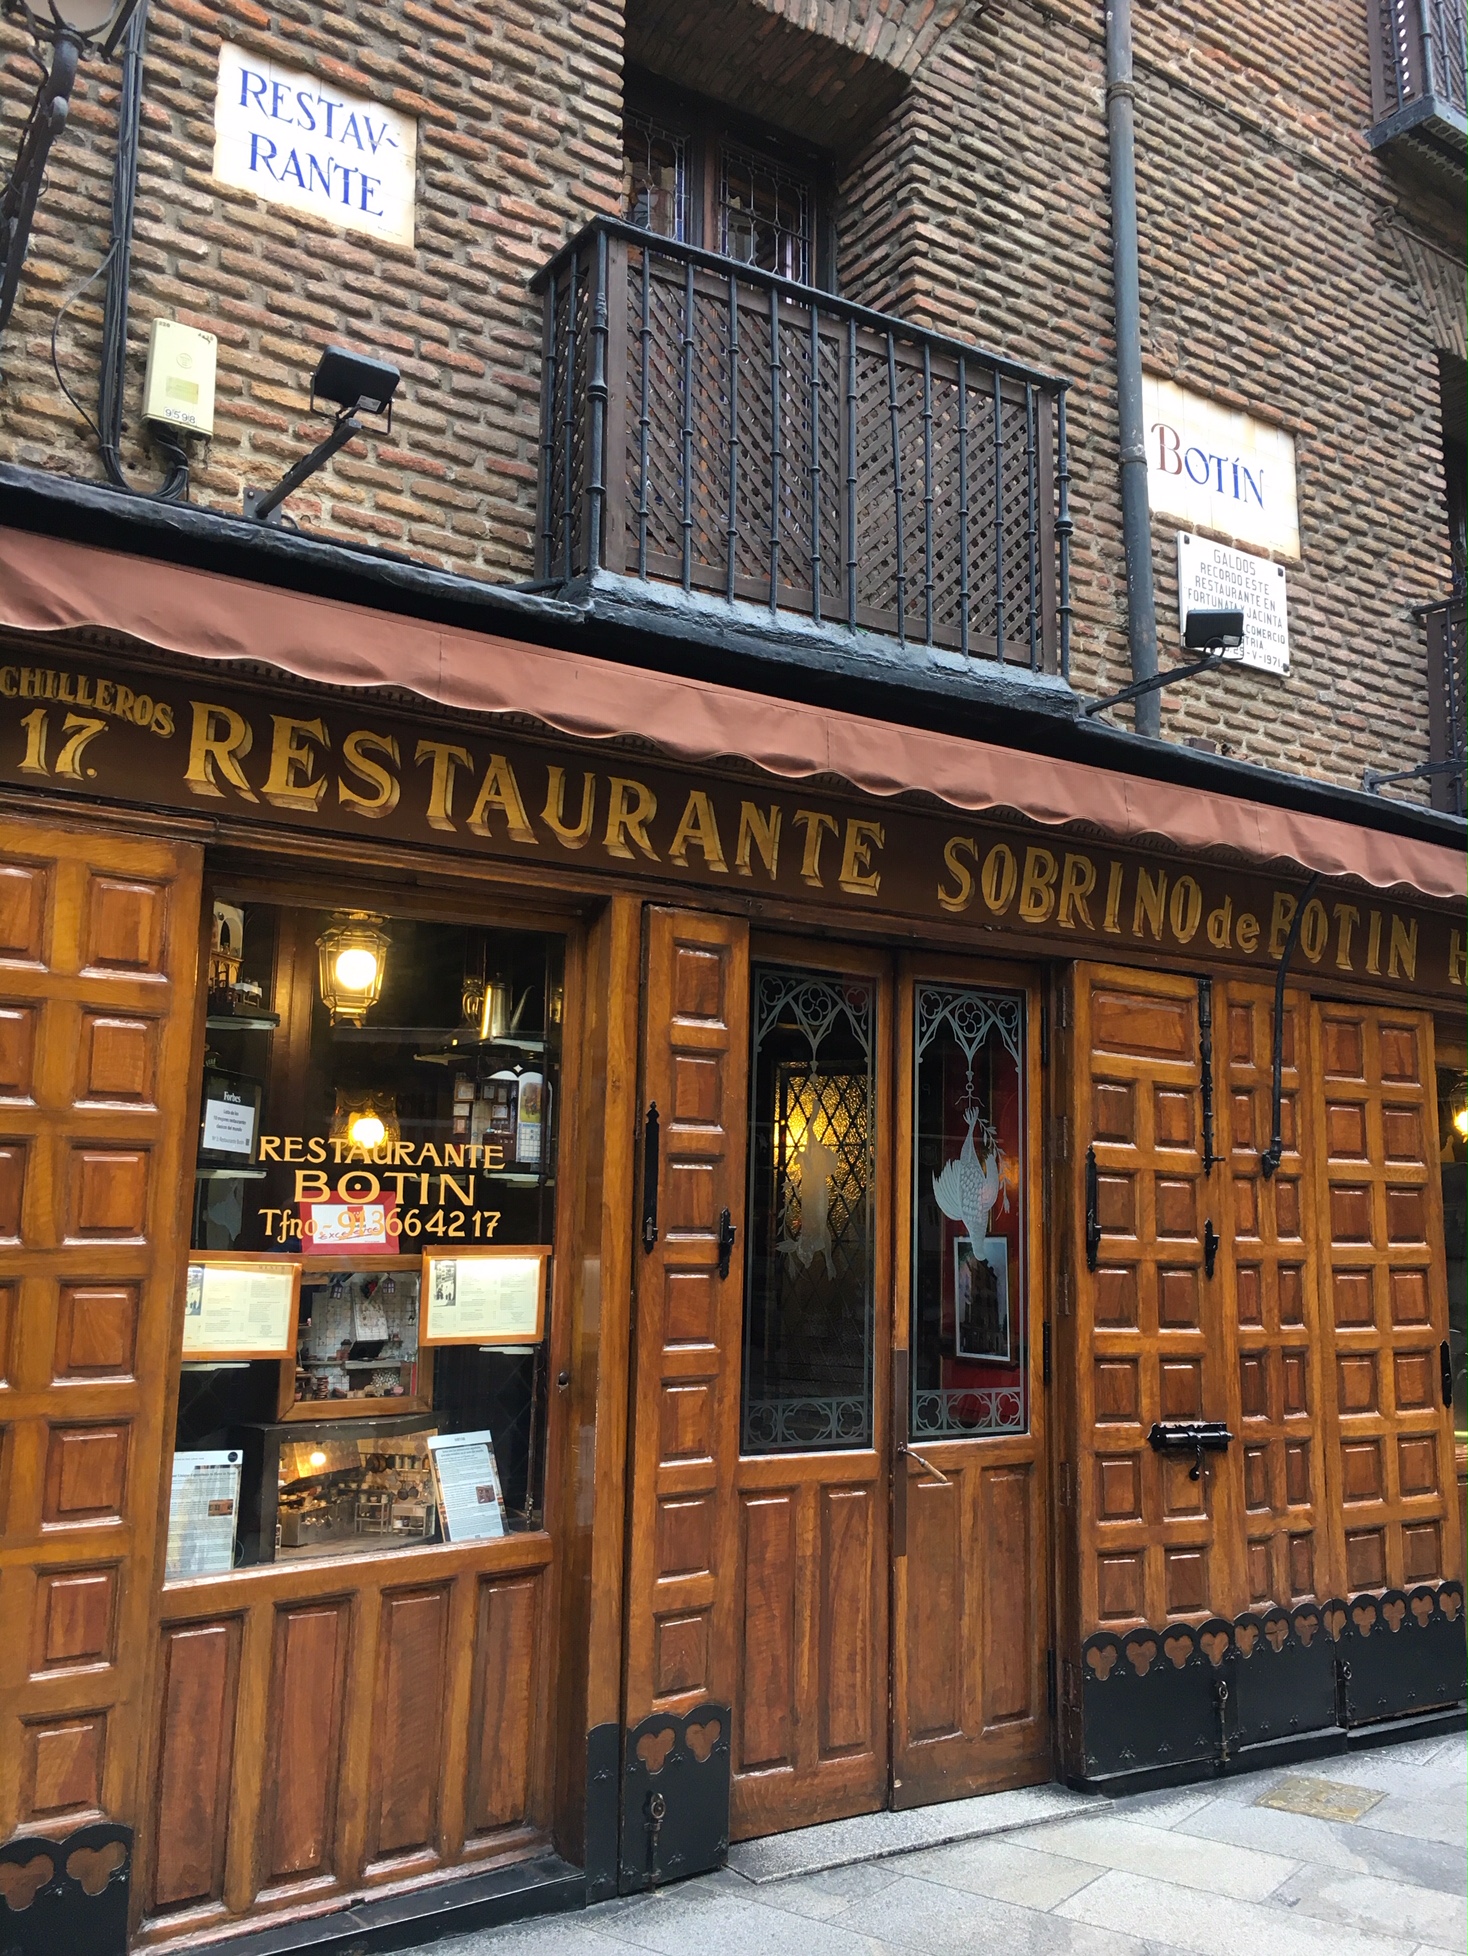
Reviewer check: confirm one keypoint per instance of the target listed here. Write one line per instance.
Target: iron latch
(1194, 1436)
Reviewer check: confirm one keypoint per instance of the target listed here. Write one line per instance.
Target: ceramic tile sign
(296, 140)
(1211, 577)
(1216, 468)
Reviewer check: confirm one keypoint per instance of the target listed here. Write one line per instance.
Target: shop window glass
(378, 1091)
(969, 1276)
(808, 1305)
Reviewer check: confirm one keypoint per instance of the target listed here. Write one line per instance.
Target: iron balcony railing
(719, 428)
(1447, 682)
(1418, 67)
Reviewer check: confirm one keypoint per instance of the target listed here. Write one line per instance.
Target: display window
(969, 1276)
(367, 1303)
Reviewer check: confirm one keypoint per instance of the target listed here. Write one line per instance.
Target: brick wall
(978, 206)
(519, 141)
(1269, 281)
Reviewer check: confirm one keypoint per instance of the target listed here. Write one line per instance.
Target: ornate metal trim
(784, 1425)
(67, 1895)
(963, 1411)
(1200, 1693)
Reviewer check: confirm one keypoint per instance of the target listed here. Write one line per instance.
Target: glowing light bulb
(1460, 1121)
(318, 1458)
(356, 968)
(366, 1131)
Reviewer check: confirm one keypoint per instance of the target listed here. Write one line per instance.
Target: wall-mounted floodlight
(1210, 632)
(72, 27)
(354, 383)
(1213, 631)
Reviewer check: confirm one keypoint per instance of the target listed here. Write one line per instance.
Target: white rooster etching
(817, 1164)
(968, 1188)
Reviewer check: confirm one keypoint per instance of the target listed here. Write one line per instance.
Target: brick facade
(1271, 278)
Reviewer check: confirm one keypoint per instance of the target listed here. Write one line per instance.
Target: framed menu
(240, 1306)
(484, 1297)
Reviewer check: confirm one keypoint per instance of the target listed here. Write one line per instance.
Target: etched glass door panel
(808, 1301)
(969, 1270)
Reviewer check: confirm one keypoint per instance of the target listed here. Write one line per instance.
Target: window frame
(706, 127)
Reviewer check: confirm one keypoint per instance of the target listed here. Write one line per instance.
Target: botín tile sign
(1211, 577)
(1215, 468)
(293, 139)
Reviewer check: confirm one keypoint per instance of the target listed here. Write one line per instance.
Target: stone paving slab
(1216, 1869)
(872, 1835)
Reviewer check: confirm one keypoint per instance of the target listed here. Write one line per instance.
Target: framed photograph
(981, 1324)
(484, 1297)
(240, 1306)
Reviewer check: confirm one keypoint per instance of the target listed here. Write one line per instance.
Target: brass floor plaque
(1322, 1799)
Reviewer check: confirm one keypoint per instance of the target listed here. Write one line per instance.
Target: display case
(335, 1488)
(357, 1349)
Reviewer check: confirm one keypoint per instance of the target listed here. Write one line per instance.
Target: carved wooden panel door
(1152, 1342)
(971, 1549)
(99, 948)
(683, 1535)
(1389, 1432)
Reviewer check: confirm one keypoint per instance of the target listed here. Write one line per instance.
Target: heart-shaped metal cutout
(703, 1738)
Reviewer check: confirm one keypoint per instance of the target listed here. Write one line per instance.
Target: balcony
(725, 431)
(1447, 682)
(1418, 87)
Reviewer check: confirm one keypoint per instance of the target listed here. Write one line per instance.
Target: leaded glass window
(969, 1275)
(655, 177)
(765, 214)
(808, 1299)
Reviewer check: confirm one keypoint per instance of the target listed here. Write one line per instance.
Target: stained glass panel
(808, 1299)
(969, 1280)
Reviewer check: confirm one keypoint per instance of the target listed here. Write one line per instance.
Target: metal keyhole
(657, 1808)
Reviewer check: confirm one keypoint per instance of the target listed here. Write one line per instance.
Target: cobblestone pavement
(1360, 1856)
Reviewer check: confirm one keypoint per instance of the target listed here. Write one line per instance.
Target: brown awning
(51, 585)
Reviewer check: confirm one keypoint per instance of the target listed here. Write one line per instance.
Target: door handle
(727, 1233)
(1093, 1216)
(911, 1453)
(650, 1176)
(1211, 1241)
(1445, 1360)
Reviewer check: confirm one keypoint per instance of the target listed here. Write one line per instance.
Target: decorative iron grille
(1447, 680)
(1417, 55)
(719, 427)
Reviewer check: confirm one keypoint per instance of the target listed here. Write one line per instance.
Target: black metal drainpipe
(112, 379)
(1136, 519)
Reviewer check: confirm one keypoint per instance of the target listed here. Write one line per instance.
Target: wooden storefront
(910, 1256)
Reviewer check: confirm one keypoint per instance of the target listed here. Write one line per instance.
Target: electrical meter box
(179, 387)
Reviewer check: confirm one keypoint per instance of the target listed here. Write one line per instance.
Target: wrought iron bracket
(1270, 1159)
(727, 1234)
(1155, 684)
(1373, 780)
(45, 123)
(1211, 1241)
(264, 506)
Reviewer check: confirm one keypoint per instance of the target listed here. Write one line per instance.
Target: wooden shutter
(685, 1410)
(99, 954)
